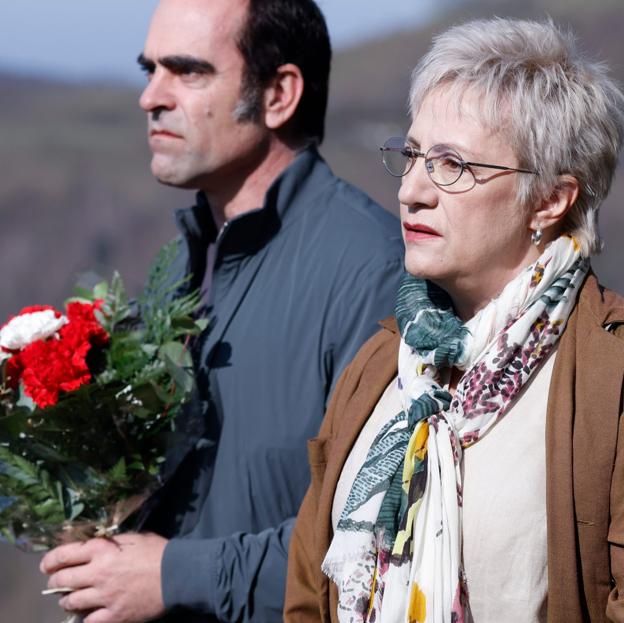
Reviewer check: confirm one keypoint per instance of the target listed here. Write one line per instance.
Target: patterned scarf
(396, 553)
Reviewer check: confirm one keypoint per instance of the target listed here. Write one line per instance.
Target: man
(298, 267)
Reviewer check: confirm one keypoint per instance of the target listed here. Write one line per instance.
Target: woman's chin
(423, 269)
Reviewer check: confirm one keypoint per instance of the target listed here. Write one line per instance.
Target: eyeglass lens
(444, 165)
(397, 156)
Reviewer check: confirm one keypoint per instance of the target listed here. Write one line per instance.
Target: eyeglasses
(443, 164)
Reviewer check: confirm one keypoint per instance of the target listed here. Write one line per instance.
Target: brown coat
(584, 467)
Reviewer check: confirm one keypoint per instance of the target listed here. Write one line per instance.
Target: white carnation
(27, 328)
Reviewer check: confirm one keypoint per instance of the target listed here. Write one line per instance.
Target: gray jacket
(297, 286)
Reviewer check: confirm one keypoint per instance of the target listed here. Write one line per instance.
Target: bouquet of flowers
(88, 398)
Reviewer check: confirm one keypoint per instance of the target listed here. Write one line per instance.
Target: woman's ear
(282, 96)
(552, 210)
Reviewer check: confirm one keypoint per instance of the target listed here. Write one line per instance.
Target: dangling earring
(536, 236)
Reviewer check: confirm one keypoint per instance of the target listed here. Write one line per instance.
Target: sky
(100, 39)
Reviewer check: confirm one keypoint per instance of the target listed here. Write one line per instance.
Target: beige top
(504, 485)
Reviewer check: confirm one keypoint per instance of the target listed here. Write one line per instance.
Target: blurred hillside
(76, 193)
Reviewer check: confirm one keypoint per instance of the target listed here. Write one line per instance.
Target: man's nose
(157, 94)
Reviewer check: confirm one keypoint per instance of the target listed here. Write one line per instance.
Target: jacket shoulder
(380, 350)
(357, 205)
(344, 202)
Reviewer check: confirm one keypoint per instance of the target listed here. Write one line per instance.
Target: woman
(480, 474)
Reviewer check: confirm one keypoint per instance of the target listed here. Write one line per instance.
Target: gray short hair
(561, 112)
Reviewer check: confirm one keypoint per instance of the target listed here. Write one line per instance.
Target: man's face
(194, 70)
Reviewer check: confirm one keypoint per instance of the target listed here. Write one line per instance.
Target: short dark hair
(286, 31)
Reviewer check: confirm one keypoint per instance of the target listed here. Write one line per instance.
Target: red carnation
(60, 364)
(83, 325)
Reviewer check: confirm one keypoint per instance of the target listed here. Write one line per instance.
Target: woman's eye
(450, 162)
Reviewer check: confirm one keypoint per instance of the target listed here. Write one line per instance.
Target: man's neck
(249, 193)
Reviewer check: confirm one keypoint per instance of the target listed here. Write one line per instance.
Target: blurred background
(76, 194)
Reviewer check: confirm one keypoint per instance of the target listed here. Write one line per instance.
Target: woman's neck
(471, 293)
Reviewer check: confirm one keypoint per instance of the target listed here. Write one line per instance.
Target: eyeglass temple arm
(499, 167)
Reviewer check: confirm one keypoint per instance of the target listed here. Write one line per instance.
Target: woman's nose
(417, 187)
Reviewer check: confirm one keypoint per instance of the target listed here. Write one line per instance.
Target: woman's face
(473, 237)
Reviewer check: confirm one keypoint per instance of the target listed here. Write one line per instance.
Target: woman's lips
(416, 232)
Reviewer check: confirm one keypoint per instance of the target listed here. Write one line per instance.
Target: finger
(99, 616)
(65, 556)
(72, 577)
(81, 600)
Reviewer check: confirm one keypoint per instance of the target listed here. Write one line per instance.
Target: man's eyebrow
(187, 65)
(178, 64)
(145, 63)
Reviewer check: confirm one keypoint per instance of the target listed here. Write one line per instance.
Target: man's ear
(550, 213)
(282, 96)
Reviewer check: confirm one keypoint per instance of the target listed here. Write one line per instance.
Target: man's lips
(163, 133)
(417, 231)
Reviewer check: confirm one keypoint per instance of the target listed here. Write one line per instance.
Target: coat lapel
(581, 433)
(372, 384)
(351, 414)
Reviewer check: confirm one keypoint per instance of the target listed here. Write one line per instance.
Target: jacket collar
(601, 305)
(390, 324)
(250, 231)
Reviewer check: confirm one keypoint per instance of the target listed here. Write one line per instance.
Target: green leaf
(101, 290)
(149, 349)
(183, 323)
(164, 396)
(75, 509)
(11, 426)
(82, 294)
(46, 453)
(118, 472)
(202, 324)
(149, 397)
(174, 351)
(181, 376)
(31, 486)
